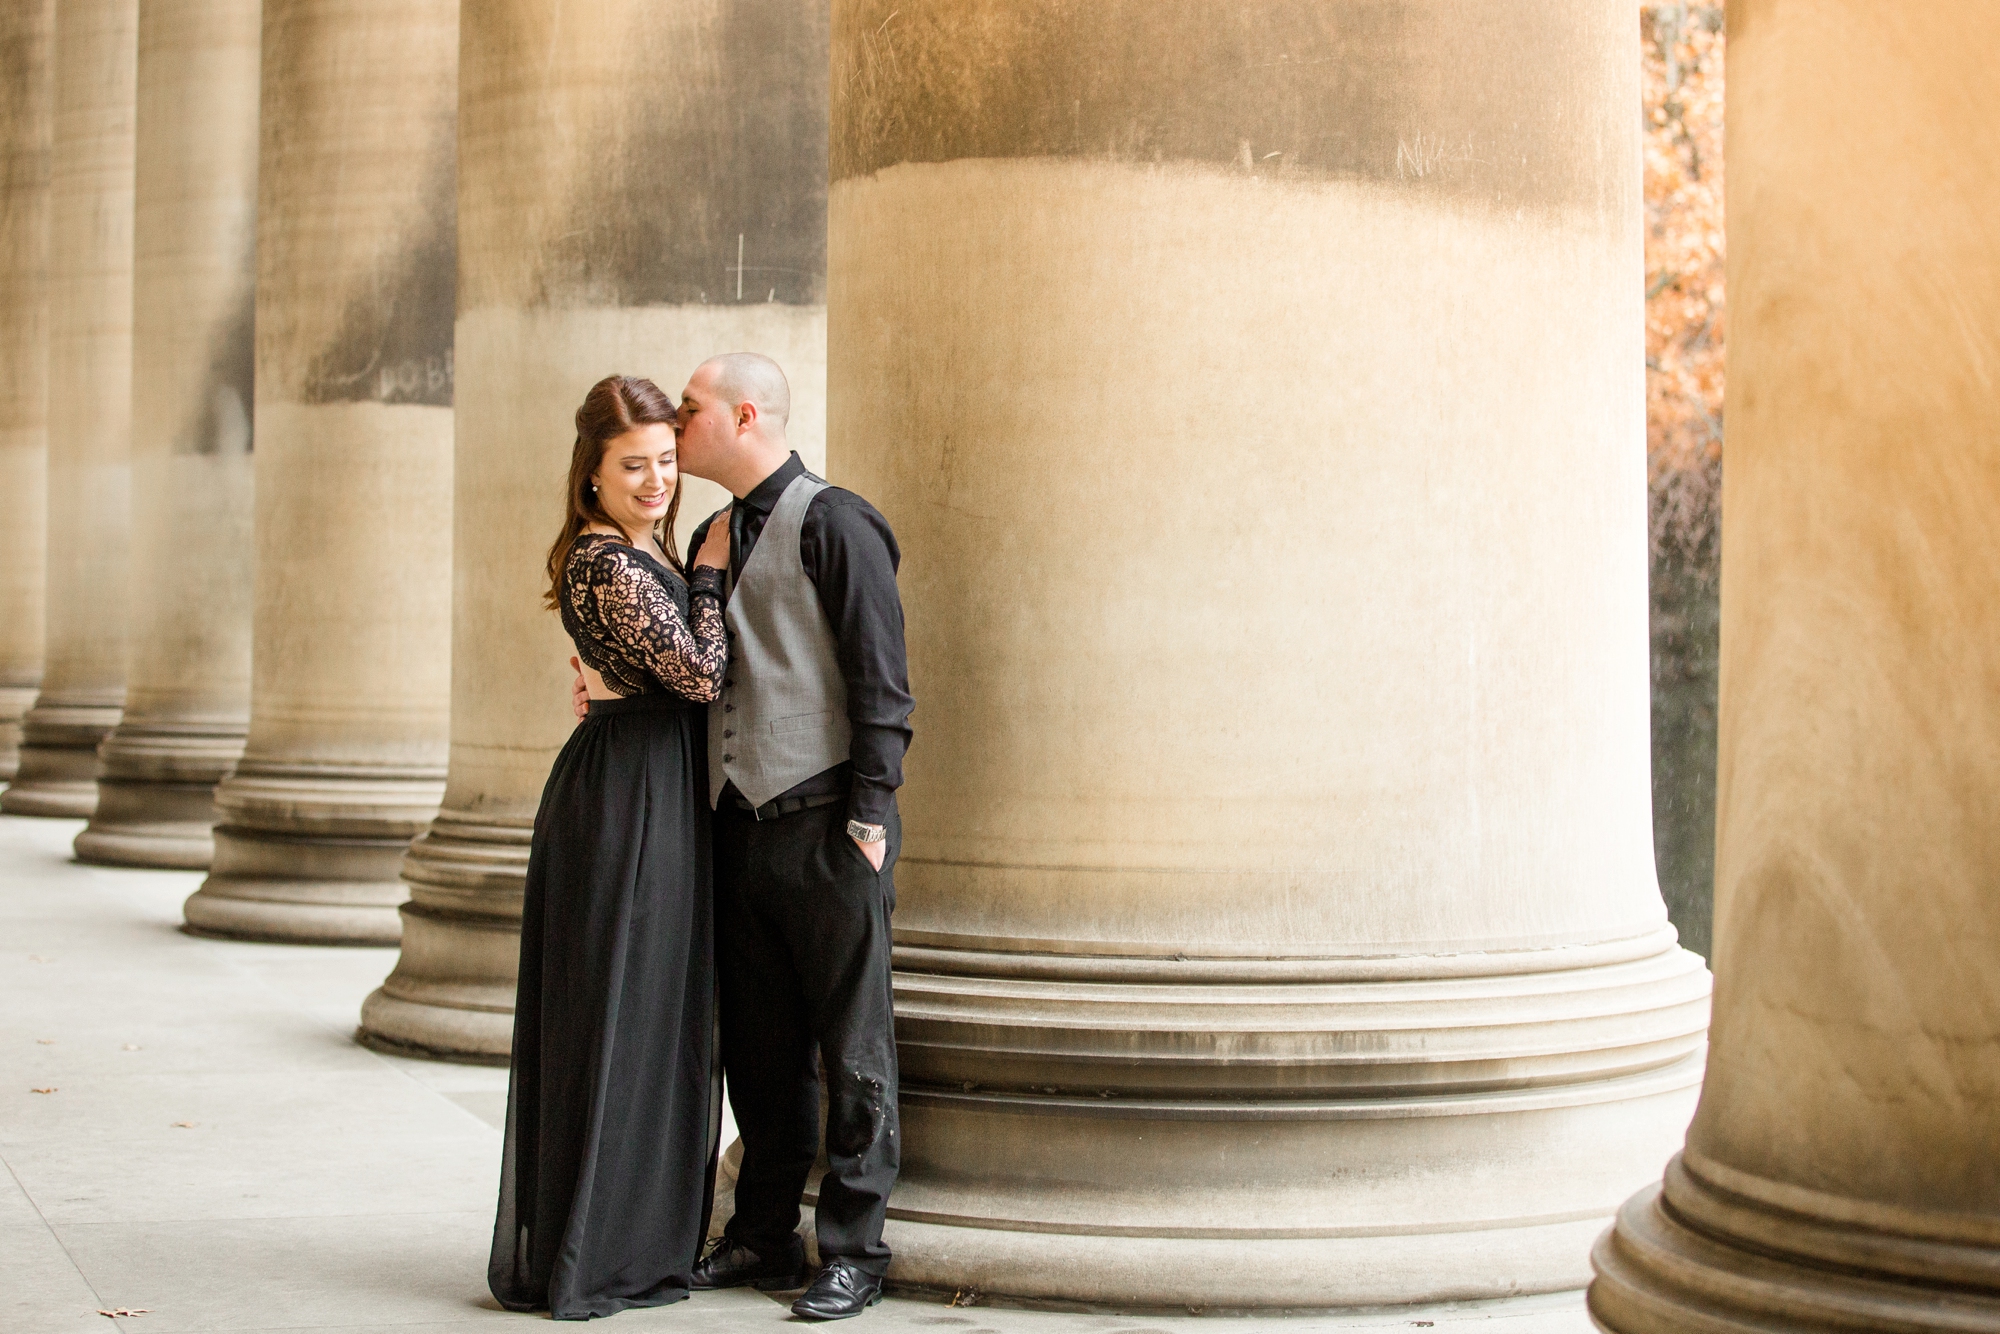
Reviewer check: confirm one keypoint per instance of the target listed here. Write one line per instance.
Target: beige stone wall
(27, 124)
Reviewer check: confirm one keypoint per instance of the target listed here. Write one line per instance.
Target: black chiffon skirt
(613, 1103)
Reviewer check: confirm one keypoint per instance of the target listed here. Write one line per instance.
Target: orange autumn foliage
(1682, 47)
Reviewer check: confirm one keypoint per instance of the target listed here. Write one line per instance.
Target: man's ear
(746, 416)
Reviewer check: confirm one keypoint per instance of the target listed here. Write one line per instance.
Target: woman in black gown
(604, 1189)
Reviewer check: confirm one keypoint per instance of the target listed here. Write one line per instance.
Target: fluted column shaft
(620, 211)
(89, 410)
(1841, 1172)
(27, 124)
(1255, 391)
(352, 597)
(187, 702)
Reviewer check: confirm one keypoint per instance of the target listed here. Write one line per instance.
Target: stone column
(629, 206)
(1841, 1173)
(352, 604)
(1255, 391)
(194, 282)
(89, 410)
(26, 133)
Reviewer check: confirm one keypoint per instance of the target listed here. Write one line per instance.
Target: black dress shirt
(851, 556)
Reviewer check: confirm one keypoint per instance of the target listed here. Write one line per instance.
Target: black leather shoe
(841, 1290)
(730, 1264)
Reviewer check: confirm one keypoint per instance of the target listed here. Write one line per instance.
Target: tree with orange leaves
(1681, 48)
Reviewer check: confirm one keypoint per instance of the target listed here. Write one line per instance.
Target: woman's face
(637, 475)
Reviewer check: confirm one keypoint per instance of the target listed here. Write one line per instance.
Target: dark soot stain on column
(24, 101)
(395, 339)
(1500, 104)
(221, 420)
(732, 145)
(739, 155)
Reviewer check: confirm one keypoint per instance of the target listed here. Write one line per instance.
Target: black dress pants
(802, 956)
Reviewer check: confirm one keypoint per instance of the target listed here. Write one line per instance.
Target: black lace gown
(604, 1188)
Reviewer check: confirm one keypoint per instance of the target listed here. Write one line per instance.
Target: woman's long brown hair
(616, 404)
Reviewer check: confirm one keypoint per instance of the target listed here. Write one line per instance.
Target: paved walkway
(188, 1129)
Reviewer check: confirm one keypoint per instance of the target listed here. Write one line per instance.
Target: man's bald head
(747, 377)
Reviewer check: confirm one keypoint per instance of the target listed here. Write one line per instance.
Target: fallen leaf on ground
(46, 1042)
(185, 1125)
(115, 1312)
(41, 1090)
(131, 1046)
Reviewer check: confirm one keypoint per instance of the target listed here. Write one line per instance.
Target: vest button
(729, 708)
(726, 759)
(726, 735)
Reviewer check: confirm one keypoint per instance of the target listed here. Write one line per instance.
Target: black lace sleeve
(642, 624)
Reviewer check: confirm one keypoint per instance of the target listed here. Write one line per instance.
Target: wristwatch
(866, 833)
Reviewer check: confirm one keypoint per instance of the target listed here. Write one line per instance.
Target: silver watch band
(866, 833)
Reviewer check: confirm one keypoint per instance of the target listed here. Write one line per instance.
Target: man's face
(707, 426)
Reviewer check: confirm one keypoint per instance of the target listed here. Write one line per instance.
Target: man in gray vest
(805, 753)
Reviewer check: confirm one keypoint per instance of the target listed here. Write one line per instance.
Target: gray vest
(782, 715)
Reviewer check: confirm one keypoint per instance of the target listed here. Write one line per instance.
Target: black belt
(778, 806)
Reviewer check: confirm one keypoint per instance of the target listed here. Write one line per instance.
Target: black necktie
(737, 526)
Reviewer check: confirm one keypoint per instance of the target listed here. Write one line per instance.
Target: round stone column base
(1668, 1267)
(1224, 1205)
(15, 701)
(166, 825)
(314, 912)
(1238, 1134)
(156, 792)
(33, 792)
(311, 856)
(57, 774)
(1197, 1274)
(302, 889)
(451, 996)
(435, 1033)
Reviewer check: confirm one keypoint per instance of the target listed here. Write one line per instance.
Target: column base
(469, 1041)
(1369, 1133)
(1691, 1257)
(1221, 1276)
(164, 825)
(1390, 1202)
(15, 701)
(57, 773)
(156, 793)
(294, 912)
(451, 996)
(308, 856)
